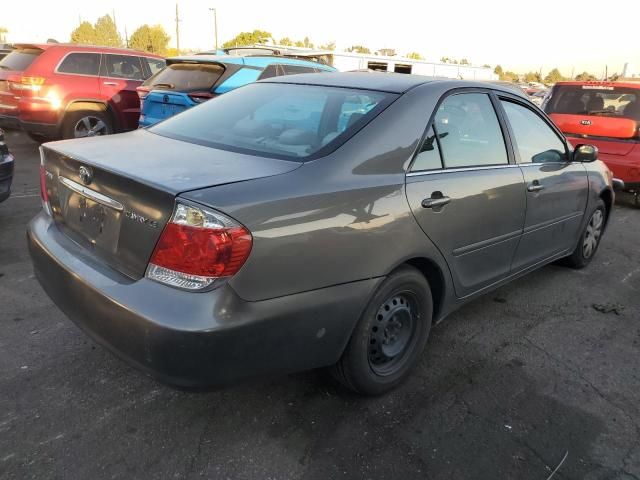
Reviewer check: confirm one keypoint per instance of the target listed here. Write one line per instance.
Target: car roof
(254, 61)
(82, 48)
(381, 81)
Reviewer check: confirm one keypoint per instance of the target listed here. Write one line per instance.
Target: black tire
(38, 138)
(591, 233)
(92, 122)
(368, 364)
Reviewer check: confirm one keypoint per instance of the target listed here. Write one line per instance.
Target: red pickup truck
(606, 114)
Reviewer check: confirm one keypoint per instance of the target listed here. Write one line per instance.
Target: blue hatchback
(188, 81)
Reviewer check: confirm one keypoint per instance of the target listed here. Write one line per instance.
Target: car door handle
(535, 186)
(435, 201)
(112, 84)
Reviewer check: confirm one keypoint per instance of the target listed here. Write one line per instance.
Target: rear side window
(469, 132)
(186, 77)
(428, 157)
(285, 121)
(80, 64)
(155, 64)
(122, 66)
(20, 59)
(270, 71)
(535, 140)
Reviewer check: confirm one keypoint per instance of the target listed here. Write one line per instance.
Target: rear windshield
(599, 100)
(186, 77)
(19, 60)
(291, 122)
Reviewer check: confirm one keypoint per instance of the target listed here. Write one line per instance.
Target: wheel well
(96, 106)
(607, 198)
(434, 276)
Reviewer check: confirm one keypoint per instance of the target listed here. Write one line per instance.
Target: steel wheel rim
(593, 233)
(89, 126)
(393, 333)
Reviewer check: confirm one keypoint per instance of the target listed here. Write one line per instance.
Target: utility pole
(177, 30)
(215, 24)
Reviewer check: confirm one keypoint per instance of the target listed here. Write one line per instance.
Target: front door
(119, 77)
(556, 188)
(465, 194)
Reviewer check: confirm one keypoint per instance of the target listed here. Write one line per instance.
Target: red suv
(605, 114)
(66, 91)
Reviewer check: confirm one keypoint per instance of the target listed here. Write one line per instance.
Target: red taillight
(33, 84)
(143, 92)
(200, 97)
(197, 247)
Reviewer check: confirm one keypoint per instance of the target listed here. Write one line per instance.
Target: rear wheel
(590, 238)
(390, 335)
(86, 124)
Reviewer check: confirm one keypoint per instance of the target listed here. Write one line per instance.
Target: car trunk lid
(114, 194)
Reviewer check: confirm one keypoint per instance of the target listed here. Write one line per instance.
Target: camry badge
(585, 122)
(86, 175)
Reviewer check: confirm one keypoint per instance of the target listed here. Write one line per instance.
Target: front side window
(428, 157)
(469, 132)
(123, 66)
(287, 121)
(81, 64)
(535, 141)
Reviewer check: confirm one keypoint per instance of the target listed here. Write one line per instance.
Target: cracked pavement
(506, 387)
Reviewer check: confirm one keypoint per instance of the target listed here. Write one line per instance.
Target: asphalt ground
(508, 386)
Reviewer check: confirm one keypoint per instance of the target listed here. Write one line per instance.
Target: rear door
(120, 75)
(556, 189)
(11, 68)
(466, 193)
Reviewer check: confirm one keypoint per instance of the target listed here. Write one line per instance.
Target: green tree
(415, 56)
(464, 61)
(299, 43)
(445, 59)
(553, 76)
(151, 39)
(499, 71)
(106, 32)
(585, 77)
(3, 34)
(244, 39)
(286, 41)
(84, 33)
(358, 49)
(307, 43)
(328, 46)
(510, 77)
(532, 77)
(486, 65)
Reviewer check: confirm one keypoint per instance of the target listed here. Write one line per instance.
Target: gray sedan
(309, 221)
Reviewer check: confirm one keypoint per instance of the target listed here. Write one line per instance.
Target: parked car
(538, 97)
(68, 91)
(6, 168)
(309, 221)
(606, 114)
(189, 81)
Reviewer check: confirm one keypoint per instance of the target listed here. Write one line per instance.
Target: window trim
(58, 72)
(511, 160)
(104, 60)
(540, 114)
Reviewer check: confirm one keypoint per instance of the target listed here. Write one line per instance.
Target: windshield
(186, 77)
(288, 121)
(19, 60)
(599, 100)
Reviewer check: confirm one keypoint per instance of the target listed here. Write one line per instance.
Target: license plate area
(91, 215)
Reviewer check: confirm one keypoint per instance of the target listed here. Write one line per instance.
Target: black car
(6, 169)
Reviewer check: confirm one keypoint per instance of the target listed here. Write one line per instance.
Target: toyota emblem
(165, 99)
(86, 175)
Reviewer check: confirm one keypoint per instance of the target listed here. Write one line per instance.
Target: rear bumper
(193, 339)
(6, 176)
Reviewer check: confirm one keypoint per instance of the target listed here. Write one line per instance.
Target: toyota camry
(319, 220)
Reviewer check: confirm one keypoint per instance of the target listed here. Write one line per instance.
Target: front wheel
(390, 335)
(589, 239)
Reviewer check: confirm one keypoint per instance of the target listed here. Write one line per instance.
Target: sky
(573, 35)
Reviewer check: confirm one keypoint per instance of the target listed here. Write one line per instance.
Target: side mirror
(585, 153)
